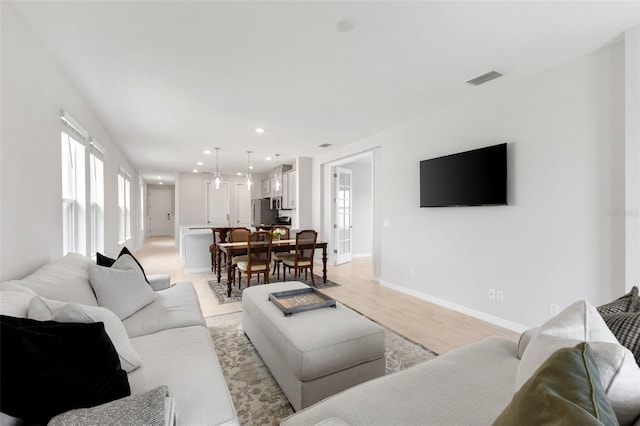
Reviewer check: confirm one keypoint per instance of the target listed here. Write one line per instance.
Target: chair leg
(284, 272)
(312, 279)
(266, 276)
(249, 279)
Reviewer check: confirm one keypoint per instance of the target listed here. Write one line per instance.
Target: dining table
(240, 248)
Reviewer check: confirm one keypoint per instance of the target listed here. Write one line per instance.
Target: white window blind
(124, 205)
(72, 143)
(96, 179)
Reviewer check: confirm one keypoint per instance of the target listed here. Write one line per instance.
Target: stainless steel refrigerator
(261, 213)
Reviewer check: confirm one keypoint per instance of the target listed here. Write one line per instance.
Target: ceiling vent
(481, 79)
(324, 145)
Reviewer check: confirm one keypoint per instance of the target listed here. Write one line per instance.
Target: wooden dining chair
(218, 234)
(258, 257)
(277, 256)
(238, 235)
(302, 257)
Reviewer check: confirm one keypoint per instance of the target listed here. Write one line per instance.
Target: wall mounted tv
(470, 178)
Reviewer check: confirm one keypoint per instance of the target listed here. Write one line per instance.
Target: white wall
(556, 242)
(34, 90)
(632, 156)
(192, 201)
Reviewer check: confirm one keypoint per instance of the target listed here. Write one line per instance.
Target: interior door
(243, 205)
(343, 214)
(218, 205)
(160, 213)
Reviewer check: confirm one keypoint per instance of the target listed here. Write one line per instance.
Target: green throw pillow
(565, 390)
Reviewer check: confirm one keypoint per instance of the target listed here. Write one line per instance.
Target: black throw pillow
(102, 260)
(47, 368)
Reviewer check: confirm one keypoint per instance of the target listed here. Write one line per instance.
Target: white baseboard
(519, 328)
(196, 270)
(361, 255)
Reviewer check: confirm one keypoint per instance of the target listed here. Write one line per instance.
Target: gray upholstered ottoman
(312, 354)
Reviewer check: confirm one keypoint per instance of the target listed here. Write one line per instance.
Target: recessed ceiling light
(199, 163)
(260, 130)
(159, 183)
(324, 145)
(239, 173)
(207, 152)
(250, 167)
(268, 158)
(195, 170)
(159, 177)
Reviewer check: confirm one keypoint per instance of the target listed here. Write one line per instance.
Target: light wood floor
(435, 327)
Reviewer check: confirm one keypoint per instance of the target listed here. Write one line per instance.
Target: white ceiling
(170, 79)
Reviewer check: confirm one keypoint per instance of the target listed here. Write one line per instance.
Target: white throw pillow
(15, 299)
(42, 309)
(121, 288)
(580, 322)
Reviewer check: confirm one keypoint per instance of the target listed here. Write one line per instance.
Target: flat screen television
(471, 178)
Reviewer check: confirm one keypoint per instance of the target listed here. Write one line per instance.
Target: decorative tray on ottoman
(300, 300)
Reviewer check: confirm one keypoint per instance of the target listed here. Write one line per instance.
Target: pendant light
(277, 182)
(217, 178)
(249, 181)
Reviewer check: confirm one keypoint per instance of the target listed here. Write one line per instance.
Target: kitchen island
(194, 247)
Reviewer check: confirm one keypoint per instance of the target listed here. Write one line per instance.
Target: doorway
(349, 207)
(160, 212)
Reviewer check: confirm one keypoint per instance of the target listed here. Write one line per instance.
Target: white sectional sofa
(493, 379)
(169, 335)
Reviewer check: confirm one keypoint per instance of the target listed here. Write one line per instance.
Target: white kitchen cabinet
(289, 190)
(266, 188)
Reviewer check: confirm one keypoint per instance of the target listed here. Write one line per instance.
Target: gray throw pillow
(122, 288)
(145, 409)
(622, 316)
(630, 302)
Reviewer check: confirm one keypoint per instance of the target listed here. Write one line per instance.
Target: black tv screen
(470, 178)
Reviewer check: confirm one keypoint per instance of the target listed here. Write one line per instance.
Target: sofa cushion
(42, 309)
(121, 288)
(565, 389)
(15, 299)
(580, 322)
(102, 260)
(470, 385)
(185, 360)
(177, 306)
(65, 279)
(49, 367)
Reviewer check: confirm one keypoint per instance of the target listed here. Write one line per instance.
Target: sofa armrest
(159, 281)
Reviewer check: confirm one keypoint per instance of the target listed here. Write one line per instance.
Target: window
(72, 142)
(96, 179)
(124, 205)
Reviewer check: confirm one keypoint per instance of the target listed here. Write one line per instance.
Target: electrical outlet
(492, 293)
(554, 309)
(413, 274)
(500, 296)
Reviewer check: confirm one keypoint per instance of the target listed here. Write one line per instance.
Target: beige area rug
(257, 397)
(220, 288)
